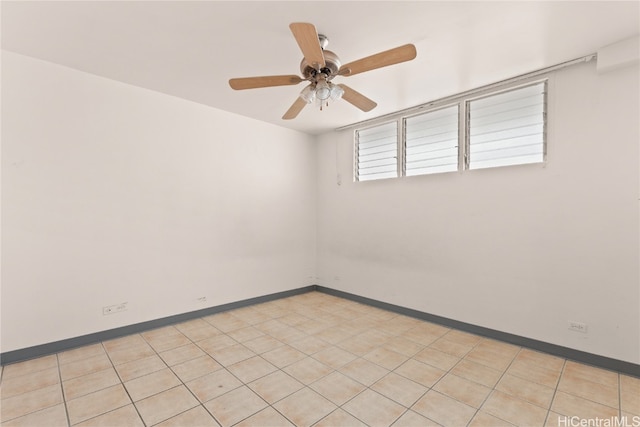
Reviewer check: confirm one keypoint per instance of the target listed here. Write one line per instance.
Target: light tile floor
(311, 359)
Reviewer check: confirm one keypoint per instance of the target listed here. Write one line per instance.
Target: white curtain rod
(450, 98)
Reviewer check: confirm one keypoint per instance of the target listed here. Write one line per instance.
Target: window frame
(462, 101)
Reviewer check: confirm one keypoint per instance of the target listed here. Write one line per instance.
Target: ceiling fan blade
(307, 38)
(295, 109)
(379, 60)
(356, 98)
(263, 81)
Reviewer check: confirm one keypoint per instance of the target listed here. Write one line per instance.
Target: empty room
(320, 213)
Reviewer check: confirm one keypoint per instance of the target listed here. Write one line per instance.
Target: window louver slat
(431, 144)
(508, 128)
(377, 152)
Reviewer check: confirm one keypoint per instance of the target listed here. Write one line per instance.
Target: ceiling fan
(319, 67)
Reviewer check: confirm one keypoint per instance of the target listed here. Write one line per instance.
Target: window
(494, 129)
(377, 152)
(507, 129)
(431, 142)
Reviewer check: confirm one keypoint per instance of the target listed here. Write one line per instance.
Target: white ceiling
(191, 49)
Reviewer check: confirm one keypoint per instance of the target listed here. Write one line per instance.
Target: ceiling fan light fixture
(336, 92)
(308, 94)
(323, 90)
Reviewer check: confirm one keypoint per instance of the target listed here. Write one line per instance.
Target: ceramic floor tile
(196, 368)
(97, 403)
(162, 406)
(419, 372)
(305, 407)
(267, 417)
(534, 372)
(14, 386)
(336, 347)
(226, 322)
(164, 343)
(213, 385)
(32, 401)
(436, 358)
(547, 361)
(421, 336)
(119, 357)
(461, 337)
(337, 387)
(630, 394)
(358, 345)
(568, 404)
(235, 406)
(491, 357)
(443, 410)
(589, 390)
(245, 334)
(251, 369)
(333, 335)
(363, 371)
(89, 383)
(53, 416)
(309, 345)
(399, 389)
(590, 373)
(84, 367)
(334, 357)
(80, 353)
(284, 356)
(340, 418)
(196, 417)
(450, 347)
(307, 370)
(201, 334)
(386, 358)
(181, 354)
(477, 373)
(125, 416)
(190, 325)
(262, 344)
(154, 383)
(140, 367)
(413, 419)
(403, 346)
(312, 327)
(275, 386)
(514, 410)
(216, 343)
(465, 391)
(125, 342)
(526, 390)
(29, 366)
(232, 354)
(251, 315)
(482, 419)
(374, 409)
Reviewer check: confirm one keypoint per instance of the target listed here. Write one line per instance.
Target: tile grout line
(113, 366)
(64, 398)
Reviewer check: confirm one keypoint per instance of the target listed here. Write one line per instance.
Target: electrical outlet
(578, 327)
(201, 299)
(117, 308)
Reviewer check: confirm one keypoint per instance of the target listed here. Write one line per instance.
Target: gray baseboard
(68, 344)
(556, 350)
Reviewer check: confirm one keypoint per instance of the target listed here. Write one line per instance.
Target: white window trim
(462, 101)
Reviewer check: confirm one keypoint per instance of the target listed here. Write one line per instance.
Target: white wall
(518, 249)
(113, 193)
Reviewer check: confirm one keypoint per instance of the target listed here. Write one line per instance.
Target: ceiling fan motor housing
(332, 65)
